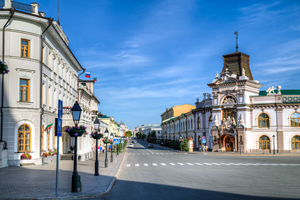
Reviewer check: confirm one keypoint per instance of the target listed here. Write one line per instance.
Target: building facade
(237, 116)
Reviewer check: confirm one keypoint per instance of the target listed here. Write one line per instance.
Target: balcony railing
(67, 111)
(18, 5)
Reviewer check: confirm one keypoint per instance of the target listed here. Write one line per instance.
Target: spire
(237, 41)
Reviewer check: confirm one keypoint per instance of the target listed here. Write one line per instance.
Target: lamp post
(111, 149)
(274, 144)
(96, 125)
(118, 146)
(106, 135)
(76, 112)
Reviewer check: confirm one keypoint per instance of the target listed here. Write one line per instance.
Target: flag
(48, 128)
(88, 74)
(95, 79)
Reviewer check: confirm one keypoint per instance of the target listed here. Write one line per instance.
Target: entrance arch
(227, 142)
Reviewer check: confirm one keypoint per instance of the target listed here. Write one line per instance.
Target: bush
(184, 144)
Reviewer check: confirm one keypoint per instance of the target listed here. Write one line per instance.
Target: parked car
(130, 145)
(150, 145)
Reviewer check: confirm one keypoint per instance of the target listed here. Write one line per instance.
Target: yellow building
(176, 111)
(112, 124)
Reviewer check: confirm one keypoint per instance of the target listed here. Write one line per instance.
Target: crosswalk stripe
(128, 165)
(146, 164)
(147, 153)
(180, 164)
(129, 154)
(166, 153)
(134, 154)
(198, 164)
(143, 154)
(154, 164)
(138, 154)
(207, 164)
(172, 164)
(157, 153)
(137, 165)
(171, 153)
(163, 164)
(189, 164)
(161, 153)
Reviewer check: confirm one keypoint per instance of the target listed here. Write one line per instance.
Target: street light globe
(111, 136)
(106, 133)
(76, 112)
(96, 124)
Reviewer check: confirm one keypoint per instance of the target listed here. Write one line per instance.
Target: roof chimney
(35, 8)
(7, 4)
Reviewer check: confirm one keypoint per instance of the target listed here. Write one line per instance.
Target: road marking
(207, 164)
(134, 154)
(154, 164)
(147, 153)
(143, 154)
(137, 165)
(198, 164)
(216, 164)
(180, 164)
(128, 154)
(146, 164)
(138, 154)
(189, 164)
(161, 153)
(157, 153)
(172, 164)
(163, 164)
(166, 153)
(128, 165)
(171, 153)
(225, 164)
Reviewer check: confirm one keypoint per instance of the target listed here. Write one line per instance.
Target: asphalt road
(163, 174)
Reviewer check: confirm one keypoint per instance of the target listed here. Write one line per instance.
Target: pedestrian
(100, 148)
(103, 150)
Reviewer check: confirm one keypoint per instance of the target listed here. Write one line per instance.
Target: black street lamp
(76, 112)
(111, 149)
(106, 135)
(118, 146)
(96, 125)
(274, 144)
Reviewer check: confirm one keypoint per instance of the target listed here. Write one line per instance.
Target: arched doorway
(228, 143)
(264, 143)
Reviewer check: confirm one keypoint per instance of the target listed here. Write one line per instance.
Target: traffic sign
(122, 141)
(60, 108)
(58, 127)
(203, 138)
(116, 141)
(203, 141)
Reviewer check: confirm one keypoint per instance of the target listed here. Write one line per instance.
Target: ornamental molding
(25, 72)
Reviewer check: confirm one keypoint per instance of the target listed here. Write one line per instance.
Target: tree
(184, 144)
(153, 135)
(128, 134)
(138, 135)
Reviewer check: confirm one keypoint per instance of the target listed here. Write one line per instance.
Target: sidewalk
(231, 153)
(38, 182)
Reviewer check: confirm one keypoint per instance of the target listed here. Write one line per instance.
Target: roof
(283, 92)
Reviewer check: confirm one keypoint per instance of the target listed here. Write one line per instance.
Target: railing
(22, 6)
(2, 3)
(94, 112)
(291, 99)
(67, 111)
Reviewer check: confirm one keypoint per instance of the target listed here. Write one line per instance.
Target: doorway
(228, 143)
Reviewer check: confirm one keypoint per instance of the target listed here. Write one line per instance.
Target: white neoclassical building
(43, 69)
(237, 116)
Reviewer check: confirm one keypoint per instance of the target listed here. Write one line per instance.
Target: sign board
(60, 108)
(58, 127)
(191, 145)
(203, 141)
(203, 138)
(122, 141)
(115, 141)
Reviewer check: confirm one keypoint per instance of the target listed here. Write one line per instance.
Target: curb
(107, 191)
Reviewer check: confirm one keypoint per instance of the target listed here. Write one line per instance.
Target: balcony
(67, 110)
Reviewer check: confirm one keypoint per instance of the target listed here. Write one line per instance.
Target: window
(231, 112)
(264, 142)
(198, 123)
(24, 138)
(296, 142)
(295, 120)
(25, 48)
(263, 121)
(24, 89)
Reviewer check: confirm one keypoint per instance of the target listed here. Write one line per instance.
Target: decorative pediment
(229, 100)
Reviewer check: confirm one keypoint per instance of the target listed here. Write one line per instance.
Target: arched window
(264, 142)
(296, 142)
(198, 123)
(295, 120)
(263, 121)
(24, 138)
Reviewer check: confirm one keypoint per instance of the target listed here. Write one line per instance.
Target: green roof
(105, 116)
(283, 92)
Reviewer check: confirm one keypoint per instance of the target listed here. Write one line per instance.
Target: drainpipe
(41, 82)
(12, 11)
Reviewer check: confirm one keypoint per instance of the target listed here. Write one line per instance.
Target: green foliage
(176, 145)
(184, 144)
(128, 134)
(144, 136)
(138, 135)
(153, 135)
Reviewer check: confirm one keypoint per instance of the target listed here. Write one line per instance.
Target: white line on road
(138, 154)
(143, 154)
(216, 164)
(134, 154)
(180, 164)
(198, 164)
(166, 153)
(137, 165)
(161, 153)
(207, 164)
(172, 164)
(163, 164)
(154, 164)
(128, 165)
(189, 164)
(146, 164)
(147, 153)
(157, 153)
(225, 164)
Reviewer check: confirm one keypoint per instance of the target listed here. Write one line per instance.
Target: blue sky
(149, 55)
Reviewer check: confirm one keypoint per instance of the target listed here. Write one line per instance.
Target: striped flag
(95, 79)
(88, 74)
(48, 128)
